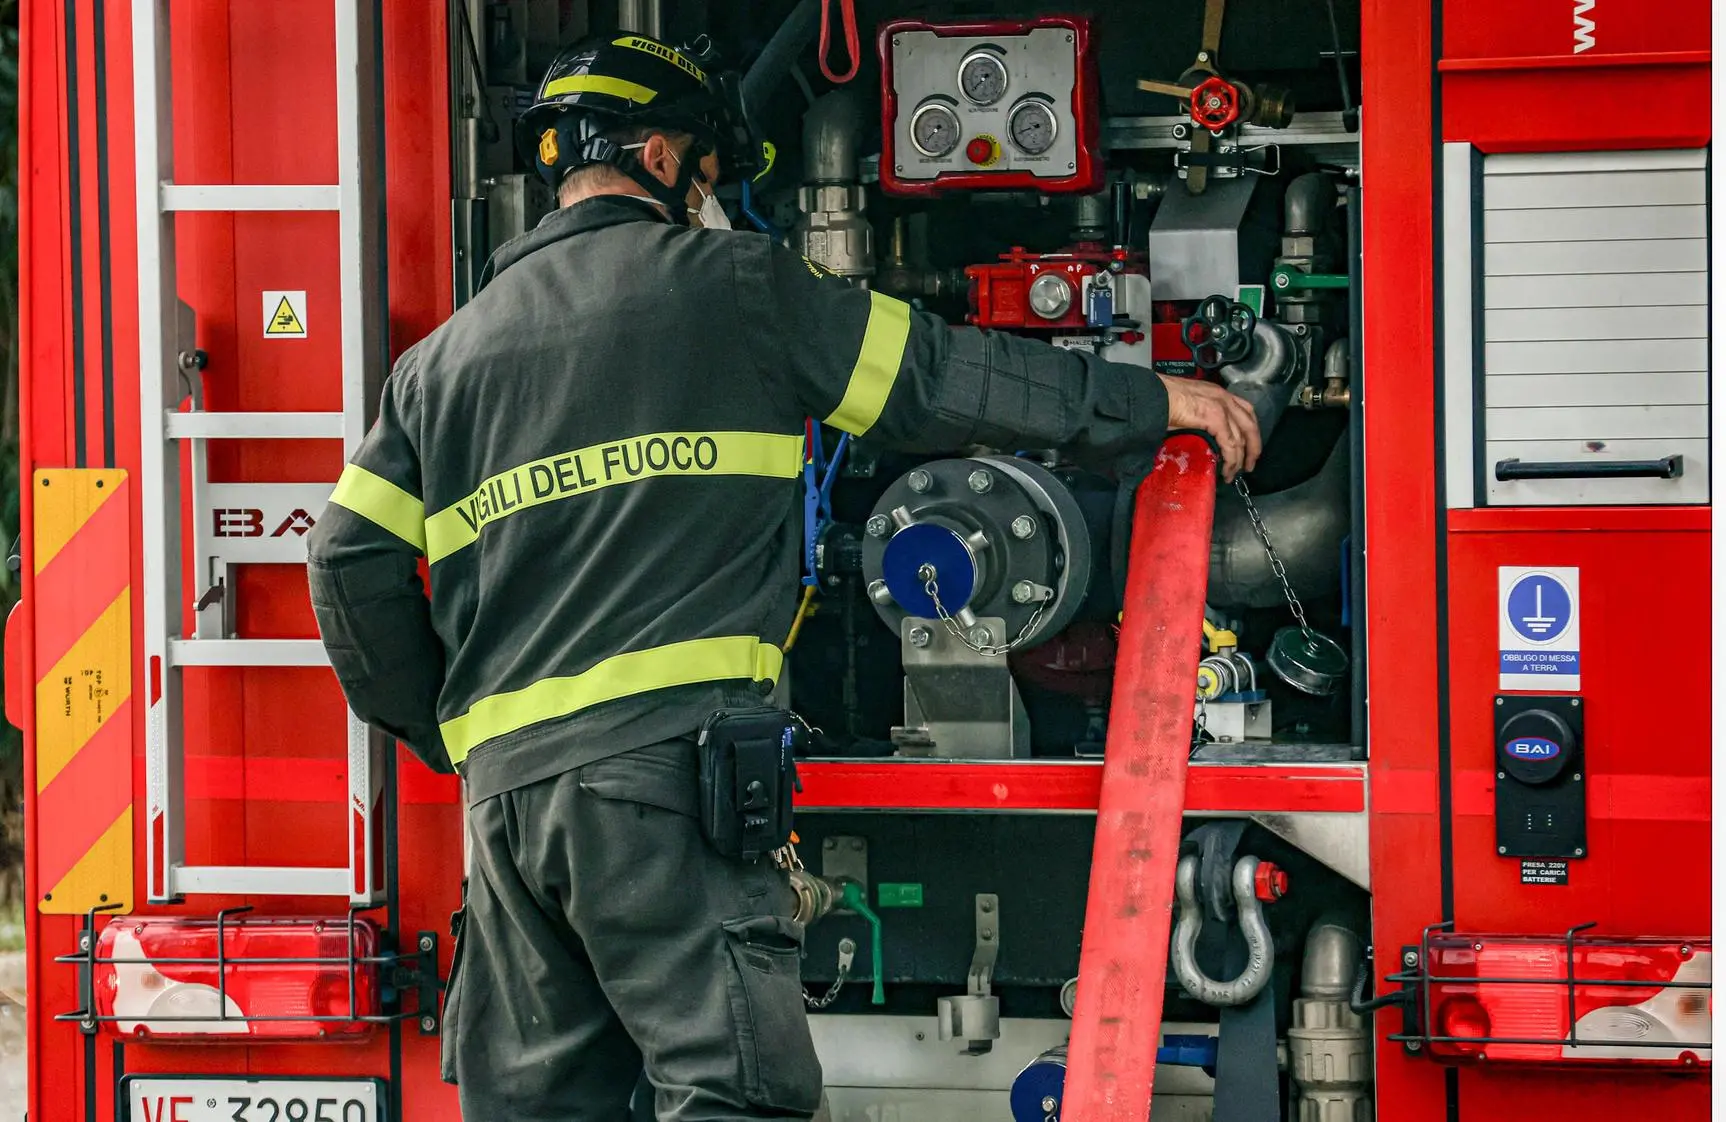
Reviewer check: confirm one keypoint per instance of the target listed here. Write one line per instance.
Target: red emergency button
(983, 150)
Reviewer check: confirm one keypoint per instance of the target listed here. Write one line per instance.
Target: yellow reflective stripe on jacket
(625, 675)
(563, 476)
(600, 84)
(375, 498)
(877, 366)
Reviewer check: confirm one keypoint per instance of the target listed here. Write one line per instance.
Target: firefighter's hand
(1229, 419)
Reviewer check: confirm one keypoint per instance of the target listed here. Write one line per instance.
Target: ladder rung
(254, 426)
(263, 880)
(247, 652)
(230, 197)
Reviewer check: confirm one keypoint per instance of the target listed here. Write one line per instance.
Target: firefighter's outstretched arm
(872, 365)
(363, 568)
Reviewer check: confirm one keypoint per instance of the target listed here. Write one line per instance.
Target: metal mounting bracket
(976, 1017)
(845, 858)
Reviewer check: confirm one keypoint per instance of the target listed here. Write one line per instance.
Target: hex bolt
(1024, 527)
(981, 481)
(1411, 958)
(879, 592)
(1049, 1104)
(982, 636)
(877, 526)
(1024, 592)
(921, 481)
(920, 636)
(427, 942)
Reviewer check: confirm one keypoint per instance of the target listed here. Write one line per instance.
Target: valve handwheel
(1220, 332)
(1216, 103)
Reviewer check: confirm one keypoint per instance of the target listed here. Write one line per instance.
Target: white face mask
(710, 215)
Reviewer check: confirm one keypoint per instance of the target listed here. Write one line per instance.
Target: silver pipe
(1330, 1045)
(1307, 522)
(1332, 958)
(831, 131)
(640, 16)
(1308, 205)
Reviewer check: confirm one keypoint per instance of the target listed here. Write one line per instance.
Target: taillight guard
(256, 998)
(1524, 999)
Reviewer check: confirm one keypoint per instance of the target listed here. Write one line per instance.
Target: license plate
(196, 1098)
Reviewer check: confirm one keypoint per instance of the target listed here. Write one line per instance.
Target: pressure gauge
(935, 129)
(1032, 126)
(1051, 296)
(983, 77)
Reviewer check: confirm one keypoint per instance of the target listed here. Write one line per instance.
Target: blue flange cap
(1041, 1079)
(924, 543)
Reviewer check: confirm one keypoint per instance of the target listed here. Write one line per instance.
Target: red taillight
(242, 979)
(1620, 1002)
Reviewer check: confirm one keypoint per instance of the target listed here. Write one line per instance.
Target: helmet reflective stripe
(599, 84)
(660, 50)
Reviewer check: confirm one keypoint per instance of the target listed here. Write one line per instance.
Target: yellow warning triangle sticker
(284, 320)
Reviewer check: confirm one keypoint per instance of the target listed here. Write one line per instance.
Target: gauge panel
(989, 105)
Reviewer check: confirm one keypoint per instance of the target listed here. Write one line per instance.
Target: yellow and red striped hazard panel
(83, 616)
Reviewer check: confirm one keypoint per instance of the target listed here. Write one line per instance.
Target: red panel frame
(1087, 98)
(1074, 786)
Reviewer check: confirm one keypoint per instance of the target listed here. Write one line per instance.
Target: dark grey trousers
(602, 933)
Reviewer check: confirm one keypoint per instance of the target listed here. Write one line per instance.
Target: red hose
(847, 12)
(1117, 1018)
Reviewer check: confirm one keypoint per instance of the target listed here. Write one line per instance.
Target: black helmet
(600, 85)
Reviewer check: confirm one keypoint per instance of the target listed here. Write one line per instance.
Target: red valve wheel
(1270, 883)
(1216, 103)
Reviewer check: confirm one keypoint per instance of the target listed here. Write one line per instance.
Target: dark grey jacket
(600, 458)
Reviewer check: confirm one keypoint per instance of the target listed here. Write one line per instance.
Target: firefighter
(599, 459)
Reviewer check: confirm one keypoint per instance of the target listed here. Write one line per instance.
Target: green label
(1253, 296)
(899, 895)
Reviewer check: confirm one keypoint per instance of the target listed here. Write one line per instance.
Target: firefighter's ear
(659, 158)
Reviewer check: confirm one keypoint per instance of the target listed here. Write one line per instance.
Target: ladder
(169, 366)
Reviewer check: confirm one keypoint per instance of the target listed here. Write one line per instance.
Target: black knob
(1535, 747)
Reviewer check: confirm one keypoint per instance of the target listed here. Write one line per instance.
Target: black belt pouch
(748, 773)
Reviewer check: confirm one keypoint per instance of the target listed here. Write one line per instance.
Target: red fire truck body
(268, 772)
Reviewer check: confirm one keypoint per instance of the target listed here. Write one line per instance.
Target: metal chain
(847, 954)
(1201, 735)
(1271, 552)
(989, 649)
